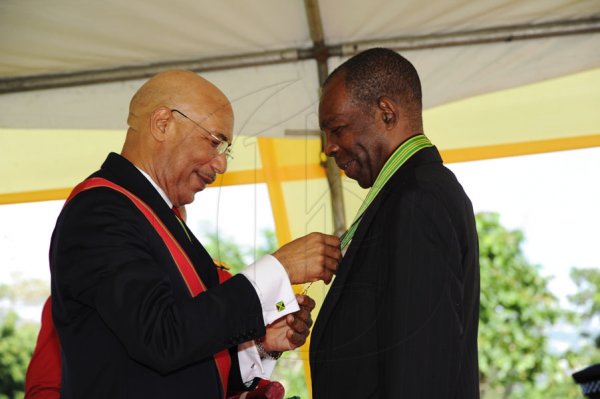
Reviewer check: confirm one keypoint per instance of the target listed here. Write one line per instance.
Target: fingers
(298, 325)
(305, 302)
(310, 258)
(296, 339)
(330, 240)
(328, 255)
(299, 328)
(300, 321)
(292, 330)
(332, 253)
(331, 265)
(330, 243)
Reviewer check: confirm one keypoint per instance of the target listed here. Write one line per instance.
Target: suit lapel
(426, 155)
(122, 172)
(345, 266)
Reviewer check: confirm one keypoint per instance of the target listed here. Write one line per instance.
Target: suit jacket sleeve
(419, 333)
(105, 258)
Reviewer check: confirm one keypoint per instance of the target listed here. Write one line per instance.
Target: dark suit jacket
(127, 324)
(400, 320)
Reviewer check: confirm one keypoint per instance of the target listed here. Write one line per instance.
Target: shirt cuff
(251, 365)
(273, 287)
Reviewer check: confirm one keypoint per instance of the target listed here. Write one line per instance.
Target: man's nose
(219, 163)
(330, 148)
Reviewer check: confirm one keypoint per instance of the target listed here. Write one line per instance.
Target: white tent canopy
(461, 49)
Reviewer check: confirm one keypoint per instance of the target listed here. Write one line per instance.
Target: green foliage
(237, 257)
(587, 299)
(290, 372)
(24, 291)
(16, 346)
(17, 339)
(516, 311)
(588, 295)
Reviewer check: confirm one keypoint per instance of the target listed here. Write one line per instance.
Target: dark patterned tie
(180, 220)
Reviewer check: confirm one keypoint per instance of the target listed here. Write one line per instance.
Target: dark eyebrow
(327, 122)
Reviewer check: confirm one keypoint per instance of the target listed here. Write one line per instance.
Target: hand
(291, 331)
(310, 258)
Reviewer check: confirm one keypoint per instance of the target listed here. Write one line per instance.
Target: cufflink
(280, 306)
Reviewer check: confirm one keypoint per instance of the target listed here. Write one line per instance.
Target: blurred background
(511, 97)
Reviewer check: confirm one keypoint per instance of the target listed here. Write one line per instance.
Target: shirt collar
(157, 187)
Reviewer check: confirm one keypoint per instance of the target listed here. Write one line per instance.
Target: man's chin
(364, 184)
(201, 185)
(363, 181)
(188, 199)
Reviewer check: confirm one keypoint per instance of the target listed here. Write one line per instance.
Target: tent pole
(321, 55)
(479, 36)
(465, 38)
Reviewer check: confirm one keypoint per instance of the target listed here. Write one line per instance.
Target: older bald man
(136, 299)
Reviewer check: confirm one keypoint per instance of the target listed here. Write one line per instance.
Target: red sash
(188, 272)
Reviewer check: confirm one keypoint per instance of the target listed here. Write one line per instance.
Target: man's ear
(387, 111)
(159, 122)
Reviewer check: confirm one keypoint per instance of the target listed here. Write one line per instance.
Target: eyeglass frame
(223, 146)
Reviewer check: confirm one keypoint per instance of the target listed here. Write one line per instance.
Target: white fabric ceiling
(44, 38)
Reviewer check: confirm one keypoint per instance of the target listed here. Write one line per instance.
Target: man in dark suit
(400, 319)
(136, 299)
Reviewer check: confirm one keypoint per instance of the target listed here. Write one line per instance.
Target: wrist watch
(274, 355)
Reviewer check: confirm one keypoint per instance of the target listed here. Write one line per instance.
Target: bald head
(172, 89)
(176, 120)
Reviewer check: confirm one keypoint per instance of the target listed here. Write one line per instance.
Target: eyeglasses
(222, 146)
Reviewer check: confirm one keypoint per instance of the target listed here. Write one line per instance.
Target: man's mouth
(207, 179)
(346, 165)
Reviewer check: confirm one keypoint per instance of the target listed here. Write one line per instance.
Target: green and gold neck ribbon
(402, 154)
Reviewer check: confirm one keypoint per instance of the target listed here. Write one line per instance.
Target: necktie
(177, 213)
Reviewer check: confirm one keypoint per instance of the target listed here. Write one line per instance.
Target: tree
(17, 338)
(587, 299)
(290, 372)
(516, 311)
(24, 292)
(17, 341)
(588, 296)
(236, 256)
